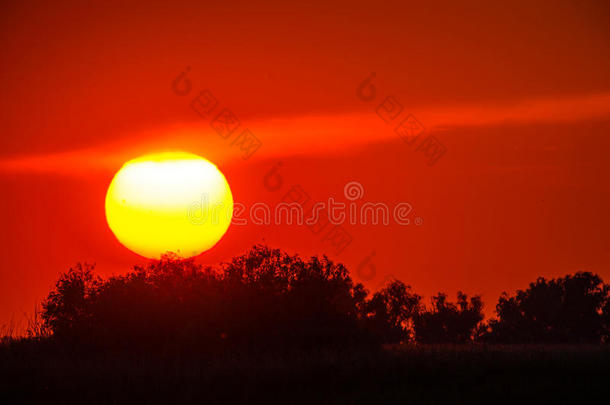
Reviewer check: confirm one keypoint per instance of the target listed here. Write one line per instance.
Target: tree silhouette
(447, 322)
(263, 299)
(65, 310)
(570, 309)
(390, 312)
(266, 299)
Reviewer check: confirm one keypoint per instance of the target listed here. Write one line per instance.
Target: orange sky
(519, 95)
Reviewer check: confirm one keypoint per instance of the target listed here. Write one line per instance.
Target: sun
(169, 202)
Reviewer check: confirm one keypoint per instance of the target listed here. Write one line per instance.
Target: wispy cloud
(534, 111)
(314, 134)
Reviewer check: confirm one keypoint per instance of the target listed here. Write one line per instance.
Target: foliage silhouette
(447, 322)
(390, 312)
(266, 299)
(570, 309)
(263, 299)
(65, 310)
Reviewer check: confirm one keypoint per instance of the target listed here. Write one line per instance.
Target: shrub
(263, 299)
(570, 309)
(447, 322)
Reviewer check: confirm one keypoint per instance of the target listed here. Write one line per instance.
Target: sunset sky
(517, 96)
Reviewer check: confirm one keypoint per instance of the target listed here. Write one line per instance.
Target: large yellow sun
(169, 202)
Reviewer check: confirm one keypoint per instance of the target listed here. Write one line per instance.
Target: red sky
(519, 95)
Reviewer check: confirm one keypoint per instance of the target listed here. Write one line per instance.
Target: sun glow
(161, 203)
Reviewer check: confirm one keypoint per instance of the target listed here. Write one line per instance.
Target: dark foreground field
(37, 372)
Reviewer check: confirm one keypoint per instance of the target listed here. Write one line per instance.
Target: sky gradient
(518, 95)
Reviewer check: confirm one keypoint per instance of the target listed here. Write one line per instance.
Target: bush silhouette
(66, 309)
(264, 298)
(447, 322)
(389, 313)
(570, 309)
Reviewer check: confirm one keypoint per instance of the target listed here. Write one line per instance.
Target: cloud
(535, 111)
(310, 134)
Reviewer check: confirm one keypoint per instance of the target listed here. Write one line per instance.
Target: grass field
(38, 372)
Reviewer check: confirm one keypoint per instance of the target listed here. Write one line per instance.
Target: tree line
(267, 299)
